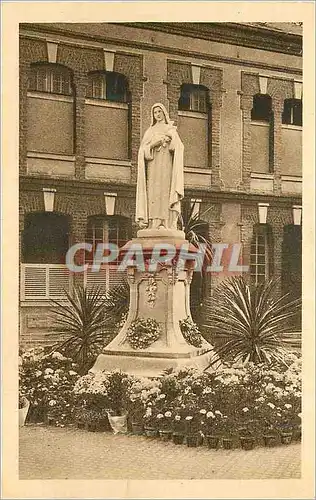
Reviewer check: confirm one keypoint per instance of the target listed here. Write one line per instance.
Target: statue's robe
(160, 185)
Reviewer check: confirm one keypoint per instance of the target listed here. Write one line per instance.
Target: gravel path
(71, 453)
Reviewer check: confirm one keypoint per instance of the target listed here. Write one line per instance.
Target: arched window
(194, 125)
(261, 254)
(262, 108)
(50, 115)
(107, 117)
(108, 86)
(261, 129)
(193, 98)
(50, 78)
(292, 112)
(45, 238)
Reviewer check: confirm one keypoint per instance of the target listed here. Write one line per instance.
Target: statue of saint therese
(160, 173)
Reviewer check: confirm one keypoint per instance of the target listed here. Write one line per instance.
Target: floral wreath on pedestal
(143, 332)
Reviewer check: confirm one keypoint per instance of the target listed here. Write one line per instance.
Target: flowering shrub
(142, 333)
(47, 381)
(191, 332)
(140, 395)
(103, 391)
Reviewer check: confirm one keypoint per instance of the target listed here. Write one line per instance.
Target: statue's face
(159, 115)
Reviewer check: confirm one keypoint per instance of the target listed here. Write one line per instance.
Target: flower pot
(212, 442)
(286, 437)
(137, 428)
(247, 442)
(177, 438)
(118, 423)
(228, 443)
(91, 426)
(151, 432)
(270, 440)
(50, 420)
(297, 435)
(23, 414)
(165, 435)
(192, 440)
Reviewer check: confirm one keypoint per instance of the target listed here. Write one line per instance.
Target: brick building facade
(233, 90)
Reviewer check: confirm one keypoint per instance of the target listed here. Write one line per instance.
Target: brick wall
(81, 61)
(179, 73)
(278, 89)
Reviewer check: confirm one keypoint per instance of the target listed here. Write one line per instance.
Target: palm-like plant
(117, 301)
(195, 228)
(249, 322)
(82, 322)
(196, 232)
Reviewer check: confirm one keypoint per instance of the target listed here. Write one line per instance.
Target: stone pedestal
(168, 304)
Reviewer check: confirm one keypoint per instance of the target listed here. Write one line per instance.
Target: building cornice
(86, 188)
(63, 35)
(263, 38)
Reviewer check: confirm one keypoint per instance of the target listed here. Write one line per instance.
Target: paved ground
(70, 453)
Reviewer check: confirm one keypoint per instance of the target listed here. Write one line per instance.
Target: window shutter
(33, 283)
(58, 281)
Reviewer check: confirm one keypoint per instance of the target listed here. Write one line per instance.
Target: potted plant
(212, 428)
(150, 423)
(192, 430)
(165, 425)
(141, 393)
(178, 426)
(248, 430)
(270, 418)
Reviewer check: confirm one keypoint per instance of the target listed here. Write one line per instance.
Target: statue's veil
(165, 112)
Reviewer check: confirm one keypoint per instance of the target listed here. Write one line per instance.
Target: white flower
(271, 405)
(52, 402)
(162, 396)
(48, 371)
(245, 409)
(177, 417)
(38, 373)
(287, 406)
(57, 355)
(217, 412)
(203, 412)
(71, 372)
(210, 414)
(168, 414)
(188, 417)
(160, 415)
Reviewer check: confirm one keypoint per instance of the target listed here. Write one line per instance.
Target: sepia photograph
(160, 238)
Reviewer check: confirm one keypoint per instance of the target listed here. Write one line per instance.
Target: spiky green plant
(194, 226)
(117, 301)
(81, 322)
(249, 322)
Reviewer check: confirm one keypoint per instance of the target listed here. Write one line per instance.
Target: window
(107, 86)
(50, 78)
(262, 108)
(260, 255)
(45, 238)
(292, 112)
(116, 230)
(193, 98)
